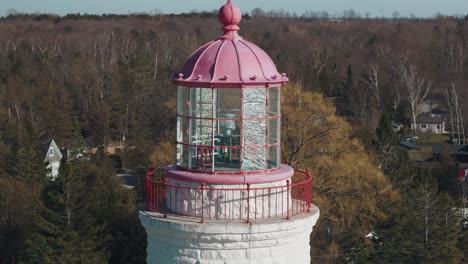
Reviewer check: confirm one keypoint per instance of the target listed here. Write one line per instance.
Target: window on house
(51, 152)
(423, 126)
(438, 126)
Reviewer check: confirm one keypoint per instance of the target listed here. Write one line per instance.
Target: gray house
(53, 157)
(458, 152)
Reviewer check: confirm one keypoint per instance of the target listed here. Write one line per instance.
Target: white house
(434, 123)
(53, 157)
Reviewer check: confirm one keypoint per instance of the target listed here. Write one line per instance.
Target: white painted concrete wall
(54, 169)
(267, 242)
(267, 200)
(433, 128)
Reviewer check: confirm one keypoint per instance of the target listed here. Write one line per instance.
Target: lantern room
(228, 198)
(229, 113)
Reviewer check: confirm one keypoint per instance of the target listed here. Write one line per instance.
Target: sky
(420, 8)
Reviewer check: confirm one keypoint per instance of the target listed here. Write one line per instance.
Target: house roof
(450, 149)
(45, 149)
(430, 119)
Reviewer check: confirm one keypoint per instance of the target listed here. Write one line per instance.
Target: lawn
(429, 139)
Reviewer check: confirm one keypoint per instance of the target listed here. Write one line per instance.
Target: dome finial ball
(230, 16)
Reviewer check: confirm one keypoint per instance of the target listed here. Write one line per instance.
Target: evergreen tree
(87, 217)
(384, 132)
(30, 159)
(19, 203)
(9, 144)
(426, 230)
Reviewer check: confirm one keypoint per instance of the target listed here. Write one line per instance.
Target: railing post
(202, 202)
(165, 198)
(309, 190)
(248, 203)
(288, 187)
(148, 192)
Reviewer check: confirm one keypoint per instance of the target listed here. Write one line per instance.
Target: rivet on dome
(253, 78)
(274, 77)
(284, 75)
(181, 76)
(226, 77)
(199, 77)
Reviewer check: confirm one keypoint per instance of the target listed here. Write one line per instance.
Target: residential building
(53, 157)
(433, 123)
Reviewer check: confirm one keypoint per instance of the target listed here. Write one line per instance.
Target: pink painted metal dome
(230, 60)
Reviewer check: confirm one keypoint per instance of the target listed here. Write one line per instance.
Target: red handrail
(245, 203)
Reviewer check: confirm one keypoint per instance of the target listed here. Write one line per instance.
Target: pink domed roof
(230, 60)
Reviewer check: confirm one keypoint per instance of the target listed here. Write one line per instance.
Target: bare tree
(429, 202)
(374, 84)
(416, 89)
(319, 57)
(156, 62)
(393, 64)
(464, 214)
(455, 108)
(360, 104)
(456, 58)
(448, 101)
(102, 86)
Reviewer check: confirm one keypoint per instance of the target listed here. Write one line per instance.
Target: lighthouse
(228, 198)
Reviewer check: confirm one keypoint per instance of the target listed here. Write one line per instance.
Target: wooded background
(86, 81)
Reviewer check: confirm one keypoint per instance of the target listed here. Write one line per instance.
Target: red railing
(249, 202)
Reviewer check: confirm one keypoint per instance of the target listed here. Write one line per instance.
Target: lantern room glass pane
(201, 102)
(274, 157)
(229, 102)
(254, 102)
(238, 129)
(227, 127)
(183, 101)
(192, 157)
(274, 131)
(182, 129)
(227, 159)
(201, 132)
(274, 101)
(182, 155)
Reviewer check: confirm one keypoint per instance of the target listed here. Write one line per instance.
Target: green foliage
(87, 217)
(384, 132)
(403, 113)
(426, 230)
(19, 203)
(447, 176)
(30, 163)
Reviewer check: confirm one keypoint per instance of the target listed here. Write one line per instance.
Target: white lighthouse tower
(228, 198)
